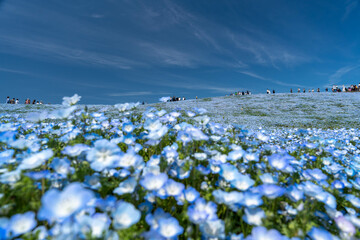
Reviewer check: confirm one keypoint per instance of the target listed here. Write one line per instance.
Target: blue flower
(35, 160)
(279, 162)
(320, 234)
(271, 191)
(173, 188)
(169, 227)
(294, 193)
(261, 233)
(76, 150)
(57, 206)
(21, 223)
(125, 215)
(153, 182)
(191, 194)
(129, 159)
(242, 182)
(213, 229)
(103, 155)
(252, 200)
(127, 186)
(202, 211)
(254, 216)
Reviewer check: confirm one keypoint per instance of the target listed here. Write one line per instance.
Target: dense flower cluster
(77, 174)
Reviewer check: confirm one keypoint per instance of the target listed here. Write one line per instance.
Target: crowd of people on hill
(27, 101)
(175, 99)
(247, 92)
(351, 88)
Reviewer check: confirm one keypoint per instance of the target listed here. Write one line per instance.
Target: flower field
(75, 172)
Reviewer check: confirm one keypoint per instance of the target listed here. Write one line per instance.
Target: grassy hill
(303, 110)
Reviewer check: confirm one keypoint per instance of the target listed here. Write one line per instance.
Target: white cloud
(336, 77)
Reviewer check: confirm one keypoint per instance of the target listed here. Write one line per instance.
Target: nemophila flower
(242, 182)
(76, 150)
(232, 199)
(320, 234)
(93, 181)
(173, 188)
(279, 162)
(268, 178)
(252, 200)
(262, 137)
(202, 211)
(213, 229)
(6, 156)
(97, 224)
(254, 216)
(128, 127)
(249, 157)
(103, 155)
(260, 233)
(126, 106)
(36, 159)
(157, 130)
(310, 188)
(69, 101)
(200, 111)
(196, 134)
(41, 232)
(10, 177)
(229, 172)
(200, 156)
(355, 201)
(271, 191)
(63, 113)
(236, 155)
(294, 193)
(316, 174)
(129, 159)
(169, 227)
(57, 206)
(21, 223)
(337, 184)
(127, 186)
(153, 182)
(183, 137)
(345, 225)
(61, 166)
(191, 194)
(37, 117)
(356, 183)
(125, 215)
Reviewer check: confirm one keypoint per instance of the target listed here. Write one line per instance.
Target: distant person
(290, 90)
(343, 89)
(41, 102)
(34, 101)
(8, 100)
(17, 101)
(13, 101)
(196, 97)
(304, 91)
(326, 89)
(312, 90)
(298, 90)
(318, 90)
(273, 91)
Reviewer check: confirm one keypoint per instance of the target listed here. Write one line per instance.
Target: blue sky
(113, 51)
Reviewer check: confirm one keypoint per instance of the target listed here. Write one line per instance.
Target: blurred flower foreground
(79, 174)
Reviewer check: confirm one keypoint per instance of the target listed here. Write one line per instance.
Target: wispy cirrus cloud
(337, 76)
(48, 49)
(351, 5)
(257, 76)
(124, 94)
